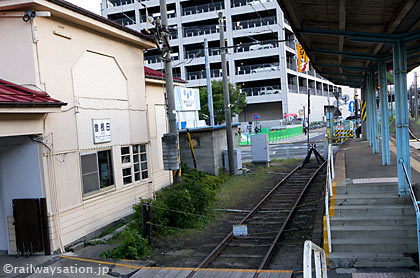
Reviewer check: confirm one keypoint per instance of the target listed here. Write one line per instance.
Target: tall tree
(237, 100)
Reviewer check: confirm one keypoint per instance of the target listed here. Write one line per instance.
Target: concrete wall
(297, 101)
(18, 155)
(158, 125)
(208, 150)
(99, 76)
(267, 111)
(18, 36)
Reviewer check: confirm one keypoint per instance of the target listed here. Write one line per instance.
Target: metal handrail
(329, 193)
(415, 203)
(320, 260)
(412, 195)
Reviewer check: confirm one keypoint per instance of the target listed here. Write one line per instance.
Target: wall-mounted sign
(303, 61)
(101, 130)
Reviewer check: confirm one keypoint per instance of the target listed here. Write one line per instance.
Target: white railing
(329, 192)
(415, 203)
(320, 260)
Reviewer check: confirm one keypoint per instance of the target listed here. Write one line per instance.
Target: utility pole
(309, 112)
(228, 116)
(209, 89)
(416, 98)
(166, 56)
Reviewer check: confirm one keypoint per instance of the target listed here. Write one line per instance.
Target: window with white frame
(97, 171)
(134, 163)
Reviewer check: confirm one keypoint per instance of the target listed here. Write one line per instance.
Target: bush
(134, 246)
(182, 205)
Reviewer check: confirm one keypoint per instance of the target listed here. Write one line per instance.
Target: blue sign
(351, 106)
(256, 116)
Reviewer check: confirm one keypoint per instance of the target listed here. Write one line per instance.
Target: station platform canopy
(345, 39)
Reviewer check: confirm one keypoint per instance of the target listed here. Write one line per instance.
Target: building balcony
(241, 3)
(117, 3)
(259, 68)
(195, 75)
(126, 21)
(319, 92)
(303, 90)
(200, 31)
(201, 9)
(193, 35)
(254, 23)
(263, 99)
(156, 59)
(254, 6)
(241, 54)
(257, 72)
(262, 91)
(292, 88)
(198, 78)
(291, 44)
(291, 65)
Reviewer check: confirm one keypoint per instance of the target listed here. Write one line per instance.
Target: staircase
(372, 227)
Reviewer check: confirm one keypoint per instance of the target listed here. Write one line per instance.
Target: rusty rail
(222, 245)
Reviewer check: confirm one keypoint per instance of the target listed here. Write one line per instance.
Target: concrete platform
(371, 226)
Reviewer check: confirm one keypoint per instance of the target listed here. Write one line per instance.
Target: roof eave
(72, 13)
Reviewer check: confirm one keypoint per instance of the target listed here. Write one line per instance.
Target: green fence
(273, 135)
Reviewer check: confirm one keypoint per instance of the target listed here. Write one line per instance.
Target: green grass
(237, 187)
(392, 125)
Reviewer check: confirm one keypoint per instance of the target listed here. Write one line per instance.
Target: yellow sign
(363, 110)
(303, 61)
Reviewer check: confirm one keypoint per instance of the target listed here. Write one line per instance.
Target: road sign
(256, 116)
(351, 106)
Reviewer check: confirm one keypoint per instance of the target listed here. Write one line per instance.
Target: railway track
(267, 223)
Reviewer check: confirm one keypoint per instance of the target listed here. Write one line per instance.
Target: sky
(91, 5)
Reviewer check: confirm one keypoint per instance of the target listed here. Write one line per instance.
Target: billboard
(303, 61)
(187, 99)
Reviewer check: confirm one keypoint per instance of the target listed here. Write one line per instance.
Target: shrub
(134, 246)
(182, 204)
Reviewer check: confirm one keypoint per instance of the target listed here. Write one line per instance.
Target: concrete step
(359, 259)
(406, 245)
(368, 188)
(361, 220)
(371, 199)
(373, 232)
(374, 210)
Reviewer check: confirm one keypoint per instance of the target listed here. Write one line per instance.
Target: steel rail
(222, 245)
(289, 216)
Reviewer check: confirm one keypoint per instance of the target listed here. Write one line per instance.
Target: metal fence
(273, 135)
(215, 6)
(252, 23)
(200, 31)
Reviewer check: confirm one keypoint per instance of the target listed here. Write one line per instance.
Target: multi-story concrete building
(264, 62)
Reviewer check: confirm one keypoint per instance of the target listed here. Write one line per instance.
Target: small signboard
(240, 230)
(101, 130)
(351, 106)
(256, 116)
